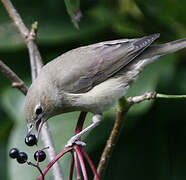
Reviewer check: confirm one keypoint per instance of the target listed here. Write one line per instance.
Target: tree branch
(36, 64)
(124, 106)
(16, 81)
(28, 36)
(16, 18)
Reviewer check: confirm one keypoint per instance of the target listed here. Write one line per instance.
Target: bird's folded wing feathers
(85, 67)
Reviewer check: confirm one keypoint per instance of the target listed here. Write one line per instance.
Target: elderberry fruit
(22, 157)
(42, 156)
(13, 153)
(31, 140)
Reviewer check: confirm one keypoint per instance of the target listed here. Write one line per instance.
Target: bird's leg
(95, 121)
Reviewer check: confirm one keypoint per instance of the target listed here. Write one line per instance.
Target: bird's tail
(163, 49)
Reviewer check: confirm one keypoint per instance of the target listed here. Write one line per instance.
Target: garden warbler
(91, 78)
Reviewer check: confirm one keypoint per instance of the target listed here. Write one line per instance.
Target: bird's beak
(38, 125)
(29, 128)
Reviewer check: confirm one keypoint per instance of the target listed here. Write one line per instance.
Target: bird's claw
(80, 143)
(73, 141)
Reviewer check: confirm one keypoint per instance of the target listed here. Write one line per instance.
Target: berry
(13, 153)
(31, 140)
(42, 156)
(22, 157)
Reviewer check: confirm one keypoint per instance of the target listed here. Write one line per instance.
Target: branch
(16, 18)
(80, 122)
(16, 81)
(81, 161)
(71, 167)
(145, 96)
(170, 96)
(29, 37)
(91, 164)
(79, 127)
(48, 141)
(124, 106)
(77, 166)
(38, 168)
(36, 64)
(153, 95)
(35, 57)
(55, 160)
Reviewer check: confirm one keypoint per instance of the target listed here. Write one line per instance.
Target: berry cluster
(22, 157)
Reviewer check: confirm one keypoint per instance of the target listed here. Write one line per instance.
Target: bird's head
(40, 105)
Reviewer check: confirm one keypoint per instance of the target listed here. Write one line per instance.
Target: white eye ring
(38, 110)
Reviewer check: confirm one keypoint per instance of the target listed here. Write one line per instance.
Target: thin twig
(56, 158)
(166, 96)
(77, 166)
(145, 96)
(153, 95)
(91, 164)
(80, 122)
(81, 160)
(16, 18)
(36, 64)
(51, 163)
(35, 57)
(78, 129)
(32, 164)
(29, 37)
(71, 167)
(124, 106)
(47, 141)
(16, 81)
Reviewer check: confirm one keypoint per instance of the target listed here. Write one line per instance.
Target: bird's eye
(38, 110)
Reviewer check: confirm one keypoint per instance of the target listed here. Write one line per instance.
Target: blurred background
(152, 144)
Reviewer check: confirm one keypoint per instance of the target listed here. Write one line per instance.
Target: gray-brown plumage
(91, 78)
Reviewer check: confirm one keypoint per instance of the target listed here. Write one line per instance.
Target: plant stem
(71, 167)
(170, 96)
(36, 64)
(77, 165)
(16, 81)
(80, 157)
(124, 106)
(32, 164)
(91, 164)
(51, 163)
(80, 122)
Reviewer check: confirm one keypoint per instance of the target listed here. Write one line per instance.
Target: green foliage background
(152, 144)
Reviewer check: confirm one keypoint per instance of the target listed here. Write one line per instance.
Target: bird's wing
(85, 67)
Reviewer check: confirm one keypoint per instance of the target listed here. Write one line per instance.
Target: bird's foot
(73, 141)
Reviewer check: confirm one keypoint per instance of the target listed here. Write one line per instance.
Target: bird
(91, 78)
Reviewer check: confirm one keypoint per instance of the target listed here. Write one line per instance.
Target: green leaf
(73, 10)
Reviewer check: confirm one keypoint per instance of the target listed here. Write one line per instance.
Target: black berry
(22, 157)
(31, 140)
(42, 156)
(13, 153)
